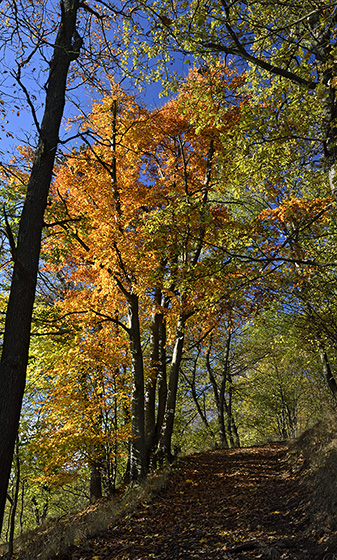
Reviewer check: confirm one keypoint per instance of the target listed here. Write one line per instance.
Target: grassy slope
(54, 537)
(313, 458)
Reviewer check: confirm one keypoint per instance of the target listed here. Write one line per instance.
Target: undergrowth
(312, 457)
(56, 536)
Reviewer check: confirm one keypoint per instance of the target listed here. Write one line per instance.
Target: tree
(28, 36)
(135, 219)
(283, 387)
(292, 42)
(81, 403)
(223, 392)
(25, 252)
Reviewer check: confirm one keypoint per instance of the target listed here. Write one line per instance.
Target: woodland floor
(224, 504)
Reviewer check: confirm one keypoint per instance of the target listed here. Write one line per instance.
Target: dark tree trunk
(138, 459)
(218, 401)
(15, 501)
(327, 373)
(220, 395)
(221, 426)
(164, 446)
(95, 484)
(192, 384)
(154, 415)
(162, 376)
(235, 433)
(151, 383)
(231, 426)
(14, 358)
(162, 379)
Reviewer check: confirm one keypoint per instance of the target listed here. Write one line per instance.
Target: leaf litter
(236, 504)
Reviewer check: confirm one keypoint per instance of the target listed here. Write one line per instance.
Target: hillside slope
(272, 502)
(223, 504)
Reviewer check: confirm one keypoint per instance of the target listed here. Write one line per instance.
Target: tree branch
(241, 51)
(112, 319)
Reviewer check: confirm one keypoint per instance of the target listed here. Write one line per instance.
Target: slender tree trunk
(95, 483)
(231, 426)
(228, 405)
(222, 406)
(127, 422)
(112, 462)
(229, 431)
(14, 357)
(150, 416)
(138, 459)
(218, 401)
(327, 373)
(15, 501)
(230, 419)
(151, 383)
(221, 425)
(164, 447)
(22, 505)
(162, 376)
(192, 383)
(235, 432)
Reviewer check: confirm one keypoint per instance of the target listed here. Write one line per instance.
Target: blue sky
(18, 125)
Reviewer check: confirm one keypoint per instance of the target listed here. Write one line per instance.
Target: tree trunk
(151, 383)
(158, 380)
(164, 447)
(95, 484)
(14, 358)
(162, 374)
(192, 384)
(235, 433)
(219, 399)
(226, 377)
(15, 501)
(327, 373)
(231, 426)
(229, 431)
(138, 459)
(221, 425)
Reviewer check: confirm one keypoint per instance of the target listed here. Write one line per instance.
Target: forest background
(168, 273)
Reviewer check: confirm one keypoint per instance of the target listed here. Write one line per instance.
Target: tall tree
(42, 39)
(26, 251)
(135, 212)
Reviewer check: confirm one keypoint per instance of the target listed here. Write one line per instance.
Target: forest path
(223, 504)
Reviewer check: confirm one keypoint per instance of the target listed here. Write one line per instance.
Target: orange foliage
(133, 211)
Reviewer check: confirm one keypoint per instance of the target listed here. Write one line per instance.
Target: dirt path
(226, 504)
